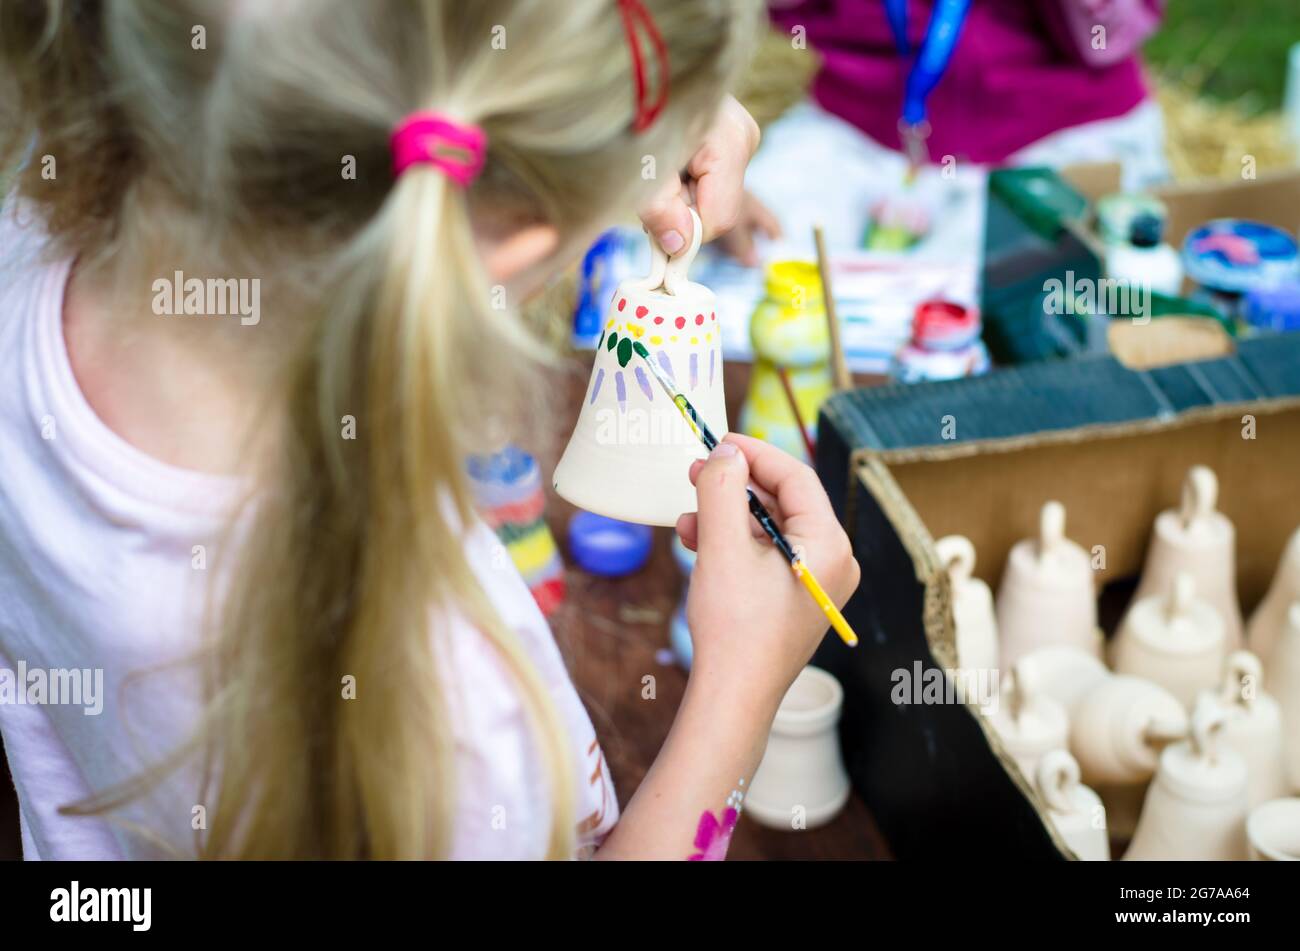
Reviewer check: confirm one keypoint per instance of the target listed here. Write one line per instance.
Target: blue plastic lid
(1232, 254)
(608, 547)
(1274, 308)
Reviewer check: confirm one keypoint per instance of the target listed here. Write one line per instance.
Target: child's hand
(717, 182)
(753, 624)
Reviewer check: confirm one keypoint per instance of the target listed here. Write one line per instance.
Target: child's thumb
(720, 485)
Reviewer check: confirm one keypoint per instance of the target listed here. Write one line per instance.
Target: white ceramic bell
(1066, 674)
(1196, 807)
(1174, 639)
(801, 781)
(1253, 728)
(1119, 728)
(1284, 684)
(1028, 723)
(1273, 831)
(1269, 620)
(1201, 541)
(1074, 810)
(1048, 593)
(972, 606)
(631, 450)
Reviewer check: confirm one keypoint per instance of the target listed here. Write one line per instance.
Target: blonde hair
(351, 548)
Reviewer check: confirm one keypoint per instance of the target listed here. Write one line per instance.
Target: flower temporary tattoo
(713, 836)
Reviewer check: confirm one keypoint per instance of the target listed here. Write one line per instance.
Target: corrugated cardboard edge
(937, 613)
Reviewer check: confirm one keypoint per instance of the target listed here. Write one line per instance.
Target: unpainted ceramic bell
(1174, 639)
(1028, 723)
(1269, 620)
(1273, 831)
(1201, 541)
(1066, 674)
(1284, 683)
(631, 450)
(1048, 593)
(1253, 727)
(1074, 810)
(1196, 807)
(972, 605)
(1120, 727)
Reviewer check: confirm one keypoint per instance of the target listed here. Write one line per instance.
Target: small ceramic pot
(631, 450)
(1269, 620)
(1196, 807)
(801, 782)
(1074, 810)
(1254, 728)
(1284, 682)
(1048, 595)
(1029, 723)
(1173, 639)
(1273, 831)
(1120, 727)
(1200, 541)
(972, 606)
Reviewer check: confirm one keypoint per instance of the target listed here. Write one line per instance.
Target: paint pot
(507, 489)
(1230, 257)
(1273, 831)
(607, 547)
(945, 344)
(801, 782)
(789, 333)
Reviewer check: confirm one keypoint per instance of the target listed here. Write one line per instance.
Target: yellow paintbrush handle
(825, 603)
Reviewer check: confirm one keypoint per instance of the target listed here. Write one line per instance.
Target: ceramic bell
(1253, 728)
(1201, 541)
(1066, 674)
(1047, 595)
(1269, 620)
(1273, 831)
(1196, 807)
(1028, 723)
(1284, 683)
(630, 452)
(1074, 810)
(1119, 728)
(1174, 639)
(801, 781)
(972, 606)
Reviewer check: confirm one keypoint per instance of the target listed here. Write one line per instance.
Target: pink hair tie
(428, 138)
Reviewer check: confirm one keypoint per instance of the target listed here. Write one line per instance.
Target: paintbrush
(756, 508)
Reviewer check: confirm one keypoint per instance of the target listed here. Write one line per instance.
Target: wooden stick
(784, 374)
(839, 368)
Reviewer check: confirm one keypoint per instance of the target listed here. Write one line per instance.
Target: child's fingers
(722, 523)
(802, 500)
(667, 217)
(767, 498)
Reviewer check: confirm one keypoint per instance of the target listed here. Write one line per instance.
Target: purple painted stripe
(644, 382)
(600, 378)
(667, 367)
(713, 358)
(695, 370)
(621, 389)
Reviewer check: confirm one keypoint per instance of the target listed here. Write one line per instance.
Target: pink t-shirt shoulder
(97, 580)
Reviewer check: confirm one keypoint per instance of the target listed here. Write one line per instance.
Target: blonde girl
(254, 534)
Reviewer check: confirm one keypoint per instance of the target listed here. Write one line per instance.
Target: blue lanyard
(932, 60)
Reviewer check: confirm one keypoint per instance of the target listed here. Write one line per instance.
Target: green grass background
(1229, 50)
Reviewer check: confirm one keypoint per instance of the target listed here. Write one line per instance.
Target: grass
(1229, 51)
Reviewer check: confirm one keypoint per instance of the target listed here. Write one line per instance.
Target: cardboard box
(905, 465)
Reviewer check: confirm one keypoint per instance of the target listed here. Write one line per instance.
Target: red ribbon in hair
(647, 111)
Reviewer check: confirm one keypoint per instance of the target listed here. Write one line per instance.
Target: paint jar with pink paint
(801, 782)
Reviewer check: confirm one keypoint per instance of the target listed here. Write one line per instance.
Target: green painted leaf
(613, 339)
(624, 351)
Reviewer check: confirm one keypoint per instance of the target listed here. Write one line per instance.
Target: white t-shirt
(100, 602)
